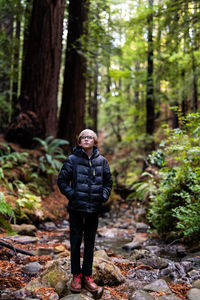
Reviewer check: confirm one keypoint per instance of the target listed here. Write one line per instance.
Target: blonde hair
(90, 132)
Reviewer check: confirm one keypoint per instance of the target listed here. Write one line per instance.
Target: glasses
(88, 137)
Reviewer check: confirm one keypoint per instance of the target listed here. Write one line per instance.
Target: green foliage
(5, 208)
(6, 211)
(51, 161)
(175, 204)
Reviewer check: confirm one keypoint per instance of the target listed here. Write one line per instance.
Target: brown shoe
(89, 284)
(76, 283)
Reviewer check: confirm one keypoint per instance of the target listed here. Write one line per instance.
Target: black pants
(82, 223)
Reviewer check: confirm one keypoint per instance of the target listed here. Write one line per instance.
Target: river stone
(159, 285)
(194, 274)
(187, 265)
(193, 294)
(169, 297)
(181, 251)
(57, 275)
(137, 254)
(59, 248)
(22, 239)
(141, 227)
(44, 251)
(196, 284)
(101, 254)
(24, 229)
(137, 242)
(153, 249)
(141, 295)
(49, 225)
(76, 297)
(132, 245)
(140, 214)
(155, 262)
(112, 233)
(32, 268)
(106, 273)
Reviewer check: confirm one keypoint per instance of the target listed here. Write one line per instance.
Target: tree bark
(41, 65)
(72, 112)
(93, 101)
(150, 110)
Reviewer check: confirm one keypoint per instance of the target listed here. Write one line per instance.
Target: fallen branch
(10, 246)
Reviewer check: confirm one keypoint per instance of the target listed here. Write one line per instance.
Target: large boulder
(106, 273)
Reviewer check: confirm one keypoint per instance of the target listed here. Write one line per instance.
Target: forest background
(129, 70)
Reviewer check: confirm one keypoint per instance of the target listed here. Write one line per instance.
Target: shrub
(175, 203)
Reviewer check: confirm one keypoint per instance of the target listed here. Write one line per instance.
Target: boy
(86, 181)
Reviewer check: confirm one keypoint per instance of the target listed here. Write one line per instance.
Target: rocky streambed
(128, 263)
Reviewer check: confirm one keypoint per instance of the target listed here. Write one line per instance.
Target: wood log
(10, 246)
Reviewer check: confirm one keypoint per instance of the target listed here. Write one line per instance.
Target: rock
(76, 297)
(59, 249)
(45, 251)
(155, 262)
(49, 226)
(140, 214)
(66, 253)
(112, 233)
(154, 249)
(196, 284)
(55, 276)
(159, 285)
(132, 245)
(165, 272)
(101, 254)
(24, 229)
(187, 265)
(32, 268)
(193, 294)
(22, 239)
(141, 227)
(194, 274)
(137, 254)
(97, 295)
(141, 295)
(53, 297)
(106, 273)
(169, 297)
(181, 251)
(136, 243)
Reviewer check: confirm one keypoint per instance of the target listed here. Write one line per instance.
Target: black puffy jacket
(85, 182)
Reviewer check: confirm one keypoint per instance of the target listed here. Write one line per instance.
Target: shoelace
(77, 277)
(89, 278)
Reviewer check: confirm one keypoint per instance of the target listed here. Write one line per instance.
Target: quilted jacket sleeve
(107, 181)
(65, 177)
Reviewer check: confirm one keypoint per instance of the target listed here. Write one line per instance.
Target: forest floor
(13, 278)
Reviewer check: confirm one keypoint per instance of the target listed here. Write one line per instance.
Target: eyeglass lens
(88, 137)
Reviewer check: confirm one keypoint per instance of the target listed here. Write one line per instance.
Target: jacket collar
(79, 152)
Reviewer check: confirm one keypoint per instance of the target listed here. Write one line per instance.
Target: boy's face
(87, 141)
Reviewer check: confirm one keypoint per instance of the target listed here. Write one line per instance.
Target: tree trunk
(150, 113)
(93, 101)
(41, 65)
(73, 100)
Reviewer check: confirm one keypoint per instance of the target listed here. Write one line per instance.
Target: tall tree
(41, 65)
(150, 110)
(72, 112)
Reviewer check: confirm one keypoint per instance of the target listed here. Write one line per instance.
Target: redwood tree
(41, 64)
(150, 109)
(73, 100)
